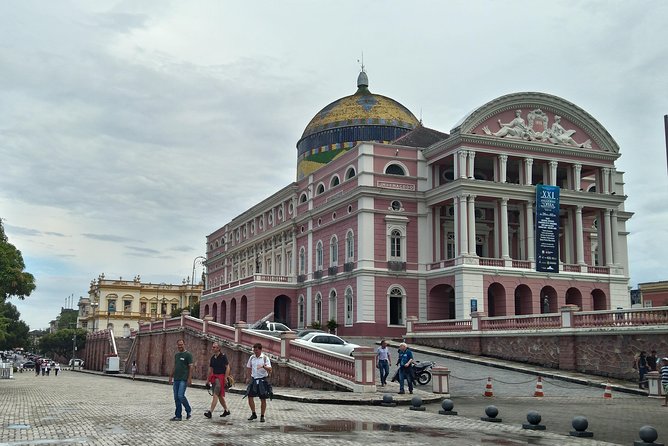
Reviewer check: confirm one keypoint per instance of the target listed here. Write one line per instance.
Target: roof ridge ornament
(362, 79)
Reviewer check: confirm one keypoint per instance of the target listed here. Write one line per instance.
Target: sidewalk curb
(507, 365)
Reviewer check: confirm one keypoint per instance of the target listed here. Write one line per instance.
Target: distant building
(389, 219)
(121, 304)
(654, 294)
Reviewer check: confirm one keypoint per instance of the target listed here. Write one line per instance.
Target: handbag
(229, 381)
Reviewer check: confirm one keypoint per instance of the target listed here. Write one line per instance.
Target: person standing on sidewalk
(405, 367)
(181, 377)
(641, 365)
(259, 367)
(383, 362)
(652, 361)
(219, 369)
(664, 379)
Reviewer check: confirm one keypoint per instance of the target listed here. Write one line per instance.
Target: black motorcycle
(421, 372)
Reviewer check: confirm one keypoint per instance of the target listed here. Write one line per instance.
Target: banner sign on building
(547, 228)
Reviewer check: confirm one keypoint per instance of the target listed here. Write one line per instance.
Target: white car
(329, 342)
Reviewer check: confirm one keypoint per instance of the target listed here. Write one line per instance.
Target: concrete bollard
(580, 425)
(647, 436)
(416, 404)
(388, 401)
(533, 418)
(447, 406)
(491, 412)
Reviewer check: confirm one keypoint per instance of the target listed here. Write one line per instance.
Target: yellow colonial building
(120, 304)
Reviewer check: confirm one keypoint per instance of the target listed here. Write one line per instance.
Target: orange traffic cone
(539, 387)
(608, 391)
(488, 387)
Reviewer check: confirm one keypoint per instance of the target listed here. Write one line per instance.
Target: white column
(615, 238)
(462, 163)
(605, 187)
(471, 228)
(283, 259)
(471, 170)
(528, 170)
(504, 228)
(497, 233)
(463, 226)
(553, 173)
(435, 213)
(608, 238)
(503, 163)
(577, 176)
(579, 242)
(530, 232)
(458, 245)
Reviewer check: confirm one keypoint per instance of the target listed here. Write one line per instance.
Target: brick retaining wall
(594, 353)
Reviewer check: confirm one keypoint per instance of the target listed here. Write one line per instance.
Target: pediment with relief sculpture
(540, 118)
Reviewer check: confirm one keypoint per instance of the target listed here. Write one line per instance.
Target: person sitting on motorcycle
(405, 364)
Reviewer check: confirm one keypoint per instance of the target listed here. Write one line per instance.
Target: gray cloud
(142, 127)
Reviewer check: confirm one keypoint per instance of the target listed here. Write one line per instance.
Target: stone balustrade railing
(568, 317)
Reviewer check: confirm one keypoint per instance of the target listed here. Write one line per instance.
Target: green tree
(13, 331)
(14, 281)
(61, 342)
(67, 318)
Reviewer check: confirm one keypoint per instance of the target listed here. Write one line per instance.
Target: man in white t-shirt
(259, 367)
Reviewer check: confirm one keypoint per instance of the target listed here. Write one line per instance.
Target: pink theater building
(390, 219)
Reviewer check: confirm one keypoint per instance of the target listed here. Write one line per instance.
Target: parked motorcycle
(421, 372)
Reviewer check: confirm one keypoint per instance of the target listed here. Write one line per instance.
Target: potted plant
(332, 325)
(316, 325)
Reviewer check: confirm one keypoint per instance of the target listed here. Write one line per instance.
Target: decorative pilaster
(531, 244)
(608, 238)
(504, 228)
(605, 174)
(615, 238)
(471, 224)
(463, 226)
(579, 241)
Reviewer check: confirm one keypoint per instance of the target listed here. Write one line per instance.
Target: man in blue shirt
(405, 368)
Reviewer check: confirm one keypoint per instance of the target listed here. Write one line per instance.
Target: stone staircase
(123, 347)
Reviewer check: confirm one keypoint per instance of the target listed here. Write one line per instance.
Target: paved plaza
(93, 409)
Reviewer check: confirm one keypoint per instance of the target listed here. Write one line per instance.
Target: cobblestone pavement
(92, 409)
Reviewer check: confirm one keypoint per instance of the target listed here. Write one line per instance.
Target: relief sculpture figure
(559, 135)
(514, 129)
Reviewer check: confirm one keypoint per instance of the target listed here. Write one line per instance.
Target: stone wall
(154, 353)
(597, 353)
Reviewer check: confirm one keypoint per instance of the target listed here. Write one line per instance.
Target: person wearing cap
(664, 379)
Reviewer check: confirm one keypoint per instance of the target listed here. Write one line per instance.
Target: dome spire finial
(362, 79)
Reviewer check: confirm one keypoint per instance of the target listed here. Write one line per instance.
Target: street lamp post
(94, 306)
(201, 259)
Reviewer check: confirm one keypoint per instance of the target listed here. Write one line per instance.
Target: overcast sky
(130, 130)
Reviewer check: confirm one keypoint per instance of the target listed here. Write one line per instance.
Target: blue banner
(547, 228)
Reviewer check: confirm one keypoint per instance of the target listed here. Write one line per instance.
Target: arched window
(395, 169)
(303, 198)
(332, 305)
(318, 256)
(320, 189)
(334, 182)
(318, 308)
(334, 251)
(349, 306)
(350, 173)
(350, 246)
(300, 312)
(302, 261)
(396, 306)
(395, 244)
